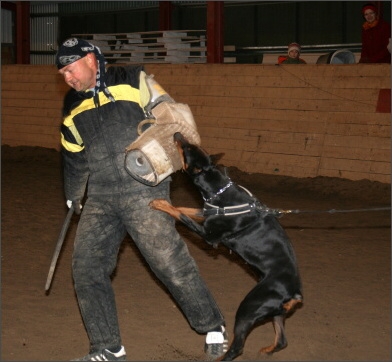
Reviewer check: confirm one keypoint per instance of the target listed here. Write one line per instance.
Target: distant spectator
(375, 37)
(293, 51)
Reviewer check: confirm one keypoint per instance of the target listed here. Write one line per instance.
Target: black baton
(58, 247)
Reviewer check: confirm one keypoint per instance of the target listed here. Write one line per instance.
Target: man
(101, 115)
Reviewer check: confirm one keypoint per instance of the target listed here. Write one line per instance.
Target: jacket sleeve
(75, 174)
(75, 166)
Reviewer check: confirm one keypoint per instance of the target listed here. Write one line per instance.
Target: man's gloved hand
(76, 205)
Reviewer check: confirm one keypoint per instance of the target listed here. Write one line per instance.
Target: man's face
(81, 75)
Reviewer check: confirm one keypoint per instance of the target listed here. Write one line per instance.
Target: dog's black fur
(255, 235)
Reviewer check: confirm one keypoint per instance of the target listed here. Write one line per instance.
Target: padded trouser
(101, 230)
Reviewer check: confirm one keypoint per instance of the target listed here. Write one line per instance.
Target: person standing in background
(375, 37)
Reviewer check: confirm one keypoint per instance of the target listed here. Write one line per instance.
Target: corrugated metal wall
(43, 32)
(43, 36)
(7, 37)
(97, 6)
(6, 26)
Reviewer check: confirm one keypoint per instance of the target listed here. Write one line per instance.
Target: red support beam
(165, 15)
(23, 32)
(215, 31)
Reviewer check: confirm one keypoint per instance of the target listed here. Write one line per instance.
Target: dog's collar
(222, 190)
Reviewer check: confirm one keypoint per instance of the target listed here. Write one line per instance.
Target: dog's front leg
(182, 214)
(165, 206)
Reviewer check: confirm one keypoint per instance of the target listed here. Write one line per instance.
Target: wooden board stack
(174, 46)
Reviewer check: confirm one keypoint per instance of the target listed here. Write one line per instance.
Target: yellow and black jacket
(96, 131)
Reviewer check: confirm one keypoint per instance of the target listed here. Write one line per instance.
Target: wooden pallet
(185, 46)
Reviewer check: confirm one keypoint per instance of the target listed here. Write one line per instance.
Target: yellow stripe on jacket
(122, 92)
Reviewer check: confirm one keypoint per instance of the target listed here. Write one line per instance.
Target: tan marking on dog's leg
(291, 304)
(165, 206)
(280, 339)
(196, 214)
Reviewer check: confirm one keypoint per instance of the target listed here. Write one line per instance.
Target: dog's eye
(196, 170)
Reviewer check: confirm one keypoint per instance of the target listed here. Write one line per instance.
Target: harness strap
(210, 209)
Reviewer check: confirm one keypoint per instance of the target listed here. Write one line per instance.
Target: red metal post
(23, 32)
(215, 31)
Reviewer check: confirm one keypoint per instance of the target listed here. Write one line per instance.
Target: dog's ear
(216, 157)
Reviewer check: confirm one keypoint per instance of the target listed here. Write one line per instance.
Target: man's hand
(76, 205)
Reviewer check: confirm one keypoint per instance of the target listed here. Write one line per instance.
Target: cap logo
(68, 59)
(88, 49)
(70, 42)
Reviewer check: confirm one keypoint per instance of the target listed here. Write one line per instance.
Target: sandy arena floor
(344, 259)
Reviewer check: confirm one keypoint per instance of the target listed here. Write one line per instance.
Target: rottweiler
(234, 217)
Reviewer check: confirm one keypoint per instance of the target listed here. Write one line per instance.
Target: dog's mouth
(179, 141)
(184, 147)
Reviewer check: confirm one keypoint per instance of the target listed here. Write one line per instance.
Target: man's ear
(91, 59)
(216, 157)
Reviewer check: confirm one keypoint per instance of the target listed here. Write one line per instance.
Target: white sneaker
(216, 345)
(105, 355)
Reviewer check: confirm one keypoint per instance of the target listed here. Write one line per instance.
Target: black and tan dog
(233, 217)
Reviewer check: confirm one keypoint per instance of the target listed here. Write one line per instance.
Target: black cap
(72, 50)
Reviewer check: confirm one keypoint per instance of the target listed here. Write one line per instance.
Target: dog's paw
(158, 204)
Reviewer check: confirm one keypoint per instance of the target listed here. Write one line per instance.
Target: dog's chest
(254, 237)
(231, 229)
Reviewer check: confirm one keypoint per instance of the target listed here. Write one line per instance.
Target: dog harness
(210, 209)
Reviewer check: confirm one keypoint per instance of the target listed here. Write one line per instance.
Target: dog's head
(200, 166)
(194, 159)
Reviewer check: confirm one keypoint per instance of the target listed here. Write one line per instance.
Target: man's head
(77, 63)
(71, 51)
(294, 50)
(83, 66)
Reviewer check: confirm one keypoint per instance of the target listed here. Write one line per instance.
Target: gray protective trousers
(103, 224)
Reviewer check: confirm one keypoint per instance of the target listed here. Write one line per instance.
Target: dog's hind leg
(280, 341)
(241, 331)
(289, 306)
